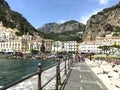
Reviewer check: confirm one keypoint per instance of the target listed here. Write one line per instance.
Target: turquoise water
(12, 70)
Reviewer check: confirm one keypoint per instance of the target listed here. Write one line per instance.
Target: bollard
(39, 76)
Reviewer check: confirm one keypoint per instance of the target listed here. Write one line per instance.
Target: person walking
(90, 57)
(73, 58)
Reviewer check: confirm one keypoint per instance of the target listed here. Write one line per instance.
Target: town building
(57, 46)
(92, 47)
(11, 46)
(48, 45)
(70, 46)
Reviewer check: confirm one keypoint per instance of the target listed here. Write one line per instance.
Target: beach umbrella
(112, 56)
(99, 55)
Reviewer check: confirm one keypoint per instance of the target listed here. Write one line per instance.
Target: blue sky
(39, 12)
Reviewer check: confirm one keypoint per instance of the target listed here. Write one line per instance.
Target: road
(82, 78)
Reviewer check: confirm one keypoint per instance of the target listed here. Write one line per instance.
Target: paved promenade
(82, 78)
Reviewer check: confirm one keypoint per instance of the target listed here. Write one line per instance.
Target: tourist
(79, 57)
(73, 58)
(90, 57)
(113, 64)
(82, 58)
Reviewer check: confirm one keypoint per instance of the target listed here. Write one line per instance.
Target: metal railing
(58, 84)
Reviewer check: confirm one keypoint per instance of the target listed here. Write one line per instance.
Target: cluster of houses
(10, 42)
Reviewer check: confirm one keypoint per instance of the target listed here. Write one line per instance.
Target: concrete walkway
(82, 78)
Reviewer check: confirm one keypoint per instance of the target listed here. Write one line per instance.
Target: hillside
(104, 22)
(13, 19)
(69, 30)
(47, 27)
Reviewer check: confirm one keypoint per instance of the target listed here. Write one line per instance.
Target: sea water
(14, 69)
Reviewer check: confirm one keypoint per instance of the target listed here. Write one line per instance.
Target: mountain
(71, 25)
(69, 30)
(103, 23)
(47, 27)
(13, 19)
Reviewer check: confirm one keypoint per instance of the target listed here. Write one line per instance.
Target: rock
(102, 23)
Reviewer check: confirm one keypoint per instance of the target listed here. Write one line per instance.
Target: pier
(66, 75)
(82, 78)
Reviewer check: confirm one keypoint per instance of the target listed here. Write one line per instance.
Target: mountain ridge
(61, 27)
(67, 31)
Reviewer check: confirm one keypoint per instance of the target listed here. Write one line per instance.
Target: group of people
(80, 57)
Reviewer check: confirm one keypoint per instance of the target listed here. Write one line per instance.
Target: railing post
(65, 72)
(39, 76)
(57, 77)
(68, 63)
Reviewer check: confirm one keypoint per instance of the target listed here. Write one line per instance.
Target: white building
(11, 46)
(6, 33)
(90, 47)
(70, 46)
(57, 46)
(36, 45)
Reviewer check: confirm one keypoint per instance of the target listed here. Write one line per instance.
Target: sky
(40, 12)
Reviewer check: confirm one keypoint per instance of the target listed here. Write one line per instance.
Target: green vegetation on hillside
(70, 22)
(112, 8)
(65, 36)
(12, 19)
(117, 32)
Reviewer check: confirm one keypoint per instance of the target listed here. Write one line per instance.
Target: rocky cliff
(102, 23)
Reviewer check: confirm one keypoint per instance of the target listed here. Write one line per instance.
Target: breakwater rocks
(108, 74)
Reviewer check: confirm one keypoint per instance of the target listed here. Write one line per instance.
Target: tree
(34, 51)
(105, 48)
(42, 49)
(115, 46)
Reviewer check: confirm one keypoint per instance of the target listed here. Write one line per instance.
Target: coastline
(106, 73)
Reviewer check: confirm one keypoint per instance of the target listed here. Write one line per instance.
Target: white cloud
(85, 17)
(61, 21)
(103, 2)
